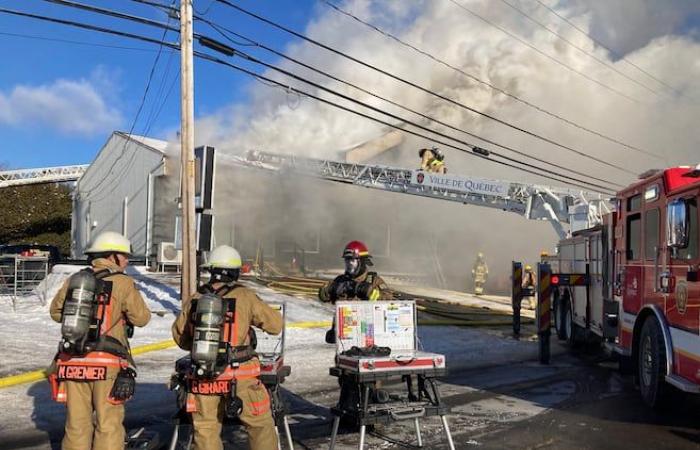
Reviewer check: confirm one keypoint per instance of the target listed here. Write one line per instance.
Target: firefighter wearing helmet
(480, 273)
(432, 160)
(356, 283)
(528, 286)
(222, 376)
(93, 372)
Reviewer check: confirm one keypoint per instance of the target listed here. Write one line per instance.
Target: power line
(167, 27)
(133, 123)
(546, 55)
(397, 127)
(391, 115)
(479, 80)
(590, 55)
(104, 11)
(612, 52)
(219, 29)
(474, 149)
(428, 91)
(87, 27)
(69, 41)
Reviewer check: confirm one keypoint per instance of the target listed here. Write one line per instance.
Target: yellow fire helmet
(109, 242)
(223, 257)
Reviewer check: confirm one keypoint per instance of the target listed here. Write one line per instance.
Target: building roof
(152, 143)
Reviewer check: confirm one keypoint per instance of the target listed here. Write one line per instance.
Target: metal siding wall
(126, 169)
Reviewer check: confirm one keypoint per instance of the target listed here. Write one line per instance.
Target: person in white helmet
(233, 387)
(93, 373)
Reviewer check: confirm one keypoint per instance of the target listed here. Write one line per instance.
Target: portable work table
(393, 325)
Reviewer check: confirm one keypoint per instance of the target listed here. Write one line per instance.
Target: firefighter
(356, 283)
(432, 160)
(93, 371)
(480, 273)
(528, 286)
(246, 397)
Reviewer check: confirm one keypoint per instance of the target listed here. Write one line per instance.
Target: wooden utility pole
(189, 259)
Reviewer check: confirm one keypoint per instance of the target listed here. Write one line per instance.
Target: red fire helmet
(356, 249)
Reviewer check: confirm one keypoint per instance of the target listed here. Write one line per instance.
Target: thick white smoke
(664, 123)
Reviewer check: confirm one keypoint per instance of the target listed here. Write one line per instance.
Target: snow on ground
(30, 337)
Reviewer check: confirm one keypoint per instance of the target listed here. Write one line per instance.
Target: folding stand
(393, 324)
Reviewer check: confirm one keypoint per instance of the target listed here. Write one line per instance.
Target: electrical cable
(167, 27)
(219, 29)
(546, 55)
(69, 41)
(587, 53)
(486, 83)
(300, 92)
(216, 60)
(395, 117)
(612, 52)
(131, 130)
(421, 88)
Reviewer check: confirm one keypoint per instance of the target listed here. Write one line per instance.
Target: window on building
(634, 236)
(651, 233)
(691, 251)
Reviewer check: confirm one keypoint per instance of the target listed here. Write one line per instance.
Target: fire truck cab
(643, 294)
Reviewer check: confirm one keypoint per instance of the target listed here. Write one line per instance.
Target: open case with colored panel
(363, 332)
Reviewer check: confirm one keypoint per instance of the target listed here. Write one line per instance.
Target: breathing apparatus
(208, 325)
(78, 324)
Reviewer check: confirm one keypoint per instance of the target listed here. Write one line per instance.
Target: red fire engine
(641, 294)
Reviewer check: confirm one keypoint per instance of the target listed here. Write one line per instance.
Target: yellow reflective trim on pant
(374, 295)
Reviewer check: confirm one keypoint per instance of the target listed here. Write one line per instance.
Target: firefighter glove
(124, 385)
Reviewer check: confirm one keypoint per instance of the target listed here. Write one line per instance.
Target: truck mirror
(677, 224)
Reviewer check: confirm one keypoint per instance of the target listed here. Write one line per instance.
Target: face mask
(352, 266)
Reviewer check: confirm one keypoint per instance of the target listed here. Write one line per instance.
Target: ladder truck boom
(567, 210)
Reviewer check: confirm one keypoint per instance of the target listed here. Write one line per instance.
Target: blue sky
(109, 82)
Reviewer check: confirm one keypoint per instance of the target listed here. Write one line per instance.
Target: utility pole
(189, 260)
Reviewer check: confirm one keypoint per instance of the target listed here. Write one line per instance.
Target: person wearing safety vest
(356, 283)
(244, 309)
(528, 286)
(480, 273)
(432, 160)
(93, 372)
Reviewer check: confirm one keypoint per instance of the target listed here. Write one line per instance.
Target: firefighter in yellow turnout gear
(92, 372)
(432, 160)
(206, 401)
(529, 285)
(480, 273)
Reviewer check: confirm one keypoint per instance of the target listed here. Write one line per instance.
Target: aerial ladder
(22, 177)
(568, 210)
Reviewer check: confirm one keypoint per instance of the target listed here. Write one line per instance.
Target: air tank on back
(208, 321)
(79, 310)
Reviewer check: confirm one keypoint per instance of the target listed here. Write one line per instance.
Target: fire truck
(638, 255)
(642, 295)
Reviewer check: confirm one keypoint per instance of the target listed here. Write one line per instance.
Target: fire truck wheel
(651, 363)
(572, 332)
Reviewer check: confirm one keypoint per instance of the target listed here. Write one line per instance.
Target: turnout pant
(81, 433)
(256, 416)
